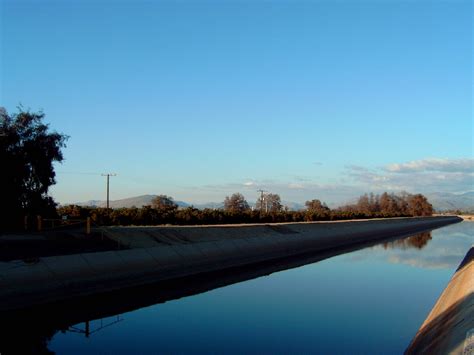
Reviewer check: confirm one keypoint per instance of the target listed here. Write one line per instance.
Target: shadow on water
(36, 326)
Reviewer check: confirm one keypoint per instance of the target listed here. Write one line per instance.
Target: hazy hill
(136, 201)
(441, 201)
(144, 200)
(214, 205)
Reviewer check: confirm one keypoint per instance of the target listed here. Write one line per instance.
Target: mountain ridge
(441, 201)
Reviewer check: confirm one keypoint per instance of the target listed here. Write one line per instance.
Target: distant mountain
(293, 206)
(144, 200)
(213, 205)
(92, 203)
(443, 201)
(136, 201)
(217, 205)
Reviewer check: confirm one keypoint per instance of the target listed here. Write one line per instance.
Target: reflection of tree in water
(24, 339)
(417, 241)
(33, 335)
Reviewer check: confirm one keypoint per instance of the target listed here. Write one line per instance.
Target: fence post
(26, 222)
(88, 225)
(40, 223)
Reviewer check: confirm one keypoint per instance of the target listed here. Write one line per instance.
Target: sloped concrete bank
(165, 253)
(449, 328)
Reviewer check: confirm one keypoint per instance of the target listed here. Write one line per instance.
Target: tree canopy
(28, 150)
(271, 203)
(403, 204)
(236, 203)
(317, 206)
(164, 204)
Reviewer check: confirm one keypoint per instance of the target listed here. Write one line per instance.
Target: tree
(27, 153)
(315, 206)
(418, 205)
(315, 210)
(363, 204)
(236, 203)
(388, 204)
(271, 203)
(164, 204)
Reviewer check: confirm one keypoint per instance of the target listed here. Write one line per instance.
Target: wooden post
(40, 223)
(88, 225)
(26, 222)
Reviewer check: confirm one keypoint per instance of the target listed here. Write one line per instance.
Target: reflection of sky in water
(369, 301)
(445, 250)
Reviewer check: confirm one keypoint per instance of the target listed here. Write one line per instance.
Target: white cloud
(293, 190)
(465, 165)
(428, 175)
(353, 182)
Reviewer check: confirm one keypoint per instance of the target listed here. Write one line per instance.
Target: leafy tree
(388, 204)
(236, 203)
(316, 206)
(315, 210)
(164, 204)
(418, 205)
(271, 203)
(363, 204)
(27, 153)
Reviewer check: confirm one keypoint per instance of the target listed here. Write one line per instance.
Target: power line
(108, 178)
(76, 173)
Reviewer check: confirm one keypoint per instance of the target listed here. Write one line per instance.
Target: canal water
(369, 301)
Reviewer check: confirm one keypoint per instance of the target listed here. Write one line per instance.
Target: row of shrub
(192, 216)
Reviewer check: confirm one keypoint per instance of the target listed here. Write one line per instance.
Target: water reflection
(91, 327)
(37, 327)
(418, 241)
(443, 248)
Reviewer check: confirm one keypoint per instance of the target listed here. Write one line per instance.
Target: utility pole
(108, 177)
(261, 199)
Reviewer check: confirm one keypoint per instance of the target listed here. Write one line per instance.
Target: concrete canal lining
(449, 328)
(166, 253)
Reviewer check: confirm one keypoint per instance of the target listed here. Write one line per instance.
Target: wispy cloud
(434, 164)
(423, 176)
(294, 190)
(428, 175)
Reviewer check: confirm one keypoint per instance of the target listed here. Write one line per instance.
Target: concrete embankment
(449, 328)
(165, 253)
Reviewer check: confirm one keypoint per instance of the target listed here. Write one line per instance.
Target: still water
(367, 301)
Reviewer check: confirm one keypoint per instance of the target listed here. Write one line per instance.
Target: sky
(201, 99)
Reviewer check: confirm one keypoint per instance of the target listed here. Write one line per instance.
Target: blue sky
(199, 99)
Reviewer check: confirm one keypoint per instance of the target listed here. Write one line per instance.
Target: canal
(371, 300)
